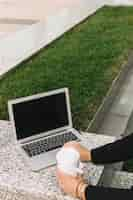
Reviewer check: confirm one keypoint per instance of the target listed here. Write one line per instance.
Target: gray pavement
(119, 116)
(122, 179)
(119, 179)
(119, 122)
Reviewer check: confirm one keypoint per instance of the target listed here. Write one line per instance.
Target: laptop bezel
(36, 96)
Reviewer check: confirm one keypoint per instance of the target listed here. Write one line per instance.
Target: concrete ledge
(17, 21)
(119, 2)
(108, 100)
(20, 45)
(121, 179)
(10, 26)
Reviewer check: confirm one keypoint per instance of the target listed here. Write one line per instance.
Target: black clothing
(120, 150)
(102, 193)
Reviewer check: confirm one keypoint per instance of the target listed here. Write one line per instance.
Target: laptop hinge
(39, 138)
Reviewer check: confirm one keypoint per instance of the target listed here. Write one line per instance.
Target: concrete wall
(55, 19)
(119, 2)
(18, 46)
(39, 9)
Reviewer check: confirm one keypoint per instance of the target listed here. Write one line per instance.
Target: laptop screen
(40, 115)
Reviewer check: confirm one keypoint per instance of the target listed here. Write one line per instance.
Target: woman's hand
(85, 154)
(68, 183)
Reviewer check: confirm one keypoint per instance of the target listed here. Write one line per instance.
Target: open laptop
(42, 124)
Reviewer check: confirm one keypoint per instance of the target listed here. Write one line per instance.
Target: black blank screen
(40, 115)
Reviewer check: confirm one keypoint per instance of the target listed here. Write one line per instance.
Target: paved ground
(119, 121)
(119, 116)
(119, 179)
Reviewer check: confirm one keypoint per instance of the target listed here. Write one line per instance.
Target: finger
(60, 173)
(80, 178)
(63, 175)
(57, 173)
(60, 184)
(70, 143)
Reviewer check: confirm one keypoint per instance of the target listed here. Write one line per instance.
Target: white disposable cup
(68, 160)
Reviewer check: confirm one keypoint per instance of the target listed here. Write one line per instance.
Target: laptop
(42, 124)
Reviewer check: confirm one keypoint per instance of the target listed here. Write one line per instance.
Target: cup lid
(67, 154)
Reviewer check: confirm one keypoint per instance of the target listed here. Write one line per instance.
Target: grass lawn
(128, 166)
(85, 59)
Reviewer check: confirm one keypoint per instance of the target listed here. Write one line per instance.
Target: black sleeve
(120, 150)
(97, 193)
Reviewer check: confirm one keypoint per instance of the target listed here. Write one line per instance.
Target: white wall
(18, 46)
(39, 9)
(119, 2)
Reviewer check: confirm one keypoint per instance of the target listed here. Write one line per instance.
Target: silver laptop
(42, 124)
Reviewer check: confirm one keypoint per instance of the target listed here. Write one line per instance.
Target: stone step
(118, 122)
(122, 179)
(113, 116)
(118, 179)
(118, 116)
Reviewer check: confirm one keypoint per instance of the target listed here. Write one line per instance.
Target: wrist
(88, 155)
(81, 191)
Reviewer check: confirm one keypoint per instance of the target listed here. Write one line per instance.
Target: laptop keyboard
(48, 144)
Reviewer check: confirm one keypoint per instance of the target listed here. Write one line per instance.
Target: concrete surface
(56, 17)
(16, 177)
(121, 2)
(32, 9)
(117, 118)
(53, 23)
(121, 179)
(39, 10)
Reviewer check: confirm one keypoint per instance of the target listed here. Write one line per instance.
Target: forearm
(120, 150)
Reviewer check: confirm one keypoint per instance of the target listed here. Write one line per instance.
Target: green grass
(85, 59)
(128, 166)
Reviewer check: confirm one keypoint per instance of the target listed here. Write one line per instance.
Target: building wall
(39, 9)
(19, 45)
(52, 20)
(120, 2)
